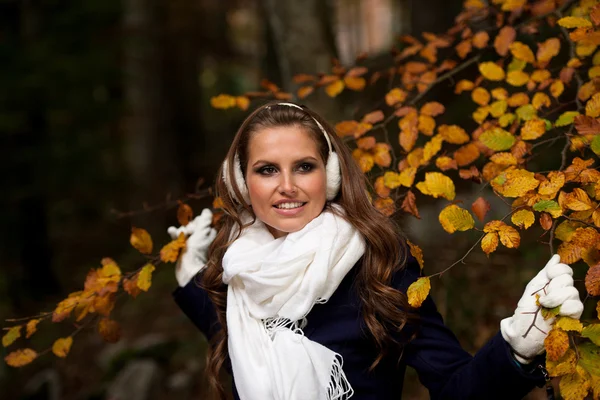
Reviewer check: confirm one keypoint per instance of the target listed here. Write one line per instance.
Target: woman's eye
(305, 167)
(267, 170)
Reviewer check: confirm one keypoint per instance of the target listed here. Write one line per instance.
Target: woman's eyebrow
(303, 159)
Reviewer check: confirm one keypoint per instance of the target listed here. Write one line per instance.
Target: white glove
(193, 258)
(554, 285)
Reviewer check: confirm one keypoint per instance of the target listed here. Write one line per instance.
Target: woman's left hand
(526, 330)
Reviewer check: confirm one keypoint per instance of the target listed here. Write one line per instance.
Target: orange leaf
(489, 243)
(509, 237)
(382, 155)
(335, 88)
(522, 52)
(409, 204)
(453, 134)
(346, 128)
(480, 39)
(464, 48)
(242, 102)
(131, 287)
(61, 346)
(385, 206)
(480, 207)
(395, 96)
(366, 143)
(433, 109)
(416, 253)
(408, 137)
(426, 125)
(64, 308)
(533, 129)
(354, 83)
(109, 330)
(592, 280)
(480, 96)
(466, 154)
(556, 344)
(184, 214)
(577, 200)
(141, 240)
(504, 39)
(463, 85)
(19, 358)
(170, 252)
(445, 163)
(373, 117)
(32, 327)
(547, 50)
(303, 78)
(304, 91)
(380, 188)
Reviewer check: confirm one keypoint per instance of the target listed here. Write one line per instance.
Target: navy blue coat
(448, 371)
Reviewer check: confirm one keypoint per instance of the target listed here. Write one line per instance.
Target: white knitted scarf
(273, 285)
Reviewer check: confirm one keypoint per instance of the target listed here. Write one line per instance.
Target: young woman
(302, 291)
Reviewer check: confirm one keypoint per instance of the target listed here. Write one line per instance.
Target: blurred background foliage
(105, 120)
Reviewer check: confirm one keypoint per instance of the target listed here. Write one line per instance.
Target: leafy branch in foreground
(531, 73)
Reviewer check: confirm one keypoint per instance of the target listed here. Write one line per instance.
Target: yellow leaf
(140, 239)
(223, 101)
(19, 358)
(61, 346)
(518, 99)
(574, 386)
(577, 200)
(569, 324)
(522, 52)
(481, 114)
(509, 237)
(499, 93)
(514, 182)
(533, 129)
(453, 134)
(553, 185)
(517, 78)
(592, 107)
(13, 334)
(432, 147)
(334, 88)
(437, 185)
(497, 139)
(426, 124)
(565, 365)
(406, 178)
(170, 252)
(481, 96)
(395, 96)
(491, 71)
(498, 108)
(453, 218)
(144, 280)
(557, 88)
(574, 22)
(506, 119)
(31, 327)
(540, 100)
(416, 253)
(489, 243)
(523, 219)
(504, 159)
(418, 291)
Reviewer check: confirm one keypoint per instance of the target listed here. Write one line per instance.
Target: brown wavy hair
(385, 310)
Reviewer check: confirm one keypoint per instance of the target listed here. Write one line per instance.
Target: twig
(168, 203)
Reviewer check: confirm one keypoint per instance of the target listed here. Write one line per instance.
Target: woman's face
(286, 178)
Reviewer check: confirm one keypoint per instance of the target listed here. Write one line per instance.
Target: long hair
(385, 310)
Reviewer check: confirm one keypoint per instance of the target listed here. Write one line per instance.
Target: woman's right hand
(194, 257)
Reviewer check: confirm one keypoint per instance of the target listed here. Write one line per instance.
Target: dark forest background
(105, 121)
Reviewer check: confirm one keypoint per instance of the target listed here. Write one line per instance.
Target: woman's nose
(287, 183)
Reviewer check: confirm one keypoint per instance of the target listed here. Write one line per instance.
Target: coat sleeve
(195, 303)
(448, 371)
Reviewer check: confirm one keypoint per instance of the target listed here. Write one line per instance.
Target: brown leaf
(416, 253)
(587, 125)
(141, 240)
(304, 91)
(545, 221)
(409, 204)
(480, 207)
(592, 280)
(385, 206)
(556, 344)
(110, 330)
(131, 287)
(472, 173)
